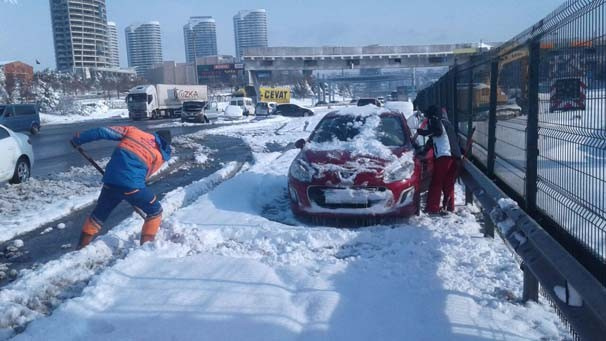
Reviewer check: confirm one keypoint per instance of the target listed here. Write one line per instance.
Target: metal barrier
(538, 104)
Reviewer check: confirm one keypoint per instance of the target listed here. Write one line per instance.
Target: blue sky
(26, 33)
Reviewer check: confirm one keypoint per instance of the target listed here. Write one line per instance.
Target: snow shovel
(98, 168)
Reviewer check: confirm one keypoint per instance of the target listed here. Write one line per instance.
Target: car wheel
(35, 129)
(22, 171)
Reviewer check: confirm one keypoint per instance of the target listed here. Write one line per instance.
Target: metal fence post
(492, 117)
(531, 285)
(532, 128)
(453, 91)
(468, 192)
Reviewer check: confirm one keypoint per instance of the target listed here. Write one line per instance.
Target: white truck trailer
(162, 100)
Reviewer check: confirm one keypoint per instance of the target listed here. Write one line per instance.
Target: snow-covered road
(234, 264)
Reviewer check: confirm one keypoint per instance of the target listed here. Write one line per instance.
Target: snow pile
(221, 270)
(38, 291)
(71, 110)
(27, 206)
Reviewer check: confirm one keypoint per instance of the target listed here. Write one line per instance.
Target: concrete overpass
(311, 59)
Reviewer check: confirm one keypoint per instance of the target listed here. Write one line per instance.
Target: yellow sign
(278, 95)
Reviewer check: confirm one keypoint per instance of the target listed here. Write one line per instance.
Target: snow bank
(70, 111)
(38, 291)
(27, 206)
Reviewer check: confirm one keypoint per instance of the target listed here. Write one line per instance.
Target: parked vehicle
(344, 172)
(265, 108)
(199, 111)
(162, 100)
(20, 117)
(293, 110)
(366, 101)
(567, 94)
(320, 104)
(245, 103)
(16, 156)
(233, 112)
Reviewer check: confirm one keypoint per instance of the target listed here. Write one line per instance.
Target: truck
(153, 101)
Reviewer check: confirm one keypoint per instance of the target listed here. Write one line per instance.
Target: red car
(359, 163)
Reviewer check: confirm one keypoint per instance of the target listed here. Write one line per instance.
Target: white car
(16, 156)
(245, 103)
(233, 112)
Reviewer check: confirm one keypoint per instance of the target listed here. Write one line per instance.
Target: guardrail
(538, 104)
(576, 293)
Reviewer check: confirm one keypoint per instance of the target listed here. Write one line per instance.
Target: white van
(245, 103)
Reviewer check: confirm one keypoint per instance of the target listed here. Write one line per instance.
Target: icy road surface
(233, 264)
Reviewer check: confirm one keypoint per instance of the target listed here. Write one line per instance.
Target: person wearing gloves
(447, 153)
(138, 155)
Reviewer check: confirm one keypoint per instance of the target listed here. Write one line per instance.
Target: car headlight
(398, 173)
(301, 170)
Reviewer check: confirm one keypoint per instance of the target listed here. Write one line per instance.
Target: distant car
(366, 101)
(233, 112)
(20, 117)
(199, 111)
(265, 108)
(359, 165)
(293, 110)
(245, 103)
(320, 103)
(193, 111)
(16, 156)
(353, 101)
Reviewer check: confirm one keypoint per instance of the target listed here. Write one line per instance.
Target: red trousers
(442, 182)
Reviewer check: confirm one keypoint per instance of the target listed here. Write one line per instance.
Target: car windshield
(344, 128)
(137, 98)
(2, 109)
(194, 106)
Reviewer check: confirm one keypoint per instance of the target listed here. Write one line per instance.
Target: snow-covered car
(359, 163)
(16, 156)
(233, 112)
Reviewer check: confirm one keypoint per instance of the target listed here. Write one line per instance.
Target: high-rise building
(112, 40)
(200, 35)
(250, 30)
(143, 46)
(79, 34)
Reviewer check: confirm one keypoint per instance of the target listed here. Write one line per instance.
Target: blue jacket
(137, 157)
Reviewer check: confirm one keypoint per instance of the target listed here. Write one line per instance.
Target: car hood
(342, 157)
(346, 166)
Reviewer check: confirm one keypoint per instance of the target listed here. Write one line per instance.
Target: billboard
(221, 74)
(278, 95)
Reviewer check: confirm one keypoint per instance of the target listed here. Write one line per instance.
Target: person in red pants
(447, 153)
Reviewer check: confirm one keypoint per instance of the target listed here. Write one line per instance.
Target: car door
(8, 155)
(9, 118)
(24, 114)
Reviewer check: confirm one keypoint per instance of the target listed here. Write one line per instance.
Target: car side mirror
(300, 144)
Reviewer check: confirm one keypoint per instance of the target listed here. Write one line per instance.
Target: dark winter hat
(165, 135)
(432, 111)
